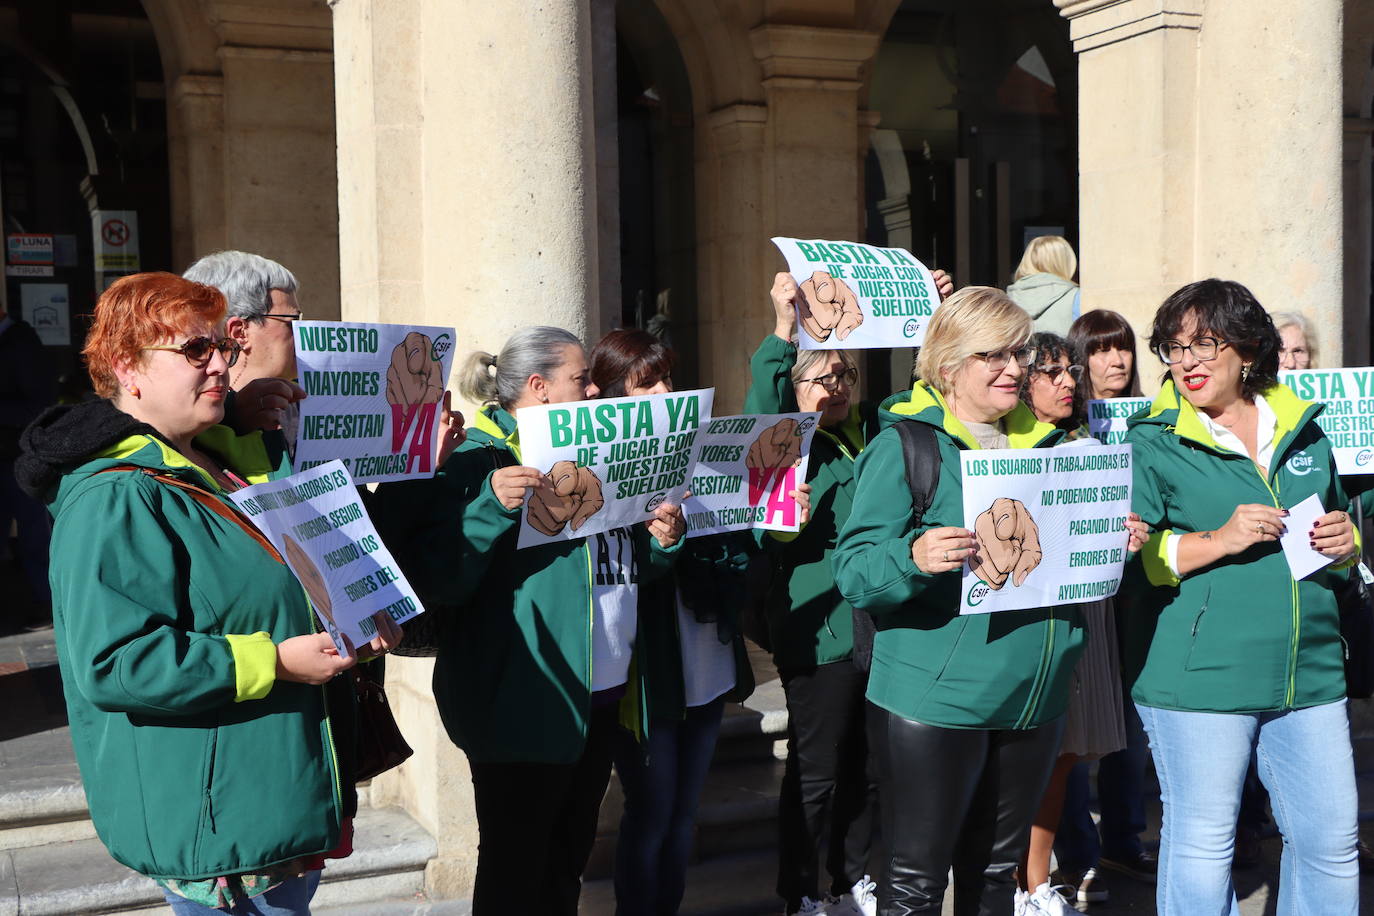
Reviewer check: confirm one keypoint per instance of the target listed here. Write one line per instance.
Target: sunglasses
(199, 350)
(1053, 373)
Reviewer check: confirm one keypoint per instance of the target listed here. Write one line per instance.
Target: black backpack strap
(921, 453)
(921, 456)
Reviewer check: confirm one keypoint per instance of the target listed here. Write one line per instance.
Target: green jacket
(195, 761)
(1005, 670)
(709, 575)
(1240, 635)
(809, 621)
(513, 675)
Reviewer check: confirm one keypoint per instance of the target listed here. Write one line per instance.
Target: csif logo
(977, 592)
(804, 425)
(1363, 457)
(655, 501)
(911, 327)
(1302, 464)
(442, 344)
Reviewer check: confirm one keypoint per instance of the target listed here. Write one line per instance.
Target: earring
(133, 390)
(1245, 372)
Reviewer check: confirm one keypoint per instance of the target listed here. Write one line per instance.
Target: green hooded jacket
(196, 762)
(513, 676)
(808, 619)
(1240, 635)
(1005, 670)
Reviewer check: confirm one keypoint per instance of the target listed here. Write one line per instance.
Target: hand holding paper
(1303, 558)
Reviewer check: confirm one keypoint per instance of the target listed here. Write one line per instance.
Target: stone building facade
(587, 162)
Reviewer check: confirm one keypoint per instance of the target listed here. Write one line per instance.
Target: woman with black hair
(1105, 342)
(1229, 652)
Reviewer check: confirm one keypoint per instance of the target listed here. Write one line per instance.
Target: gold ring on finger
(946, 556)
(1259, 527)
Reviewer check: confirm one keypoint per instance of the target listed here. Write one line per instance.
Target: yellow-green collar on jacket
(1289, 410)
(486, 424)
(1023, 429)
(249, 463)
(848, 434)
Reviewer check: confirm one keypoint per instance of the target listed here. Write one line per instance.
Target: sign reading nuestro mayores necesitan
(852, 296)
(1348, 419)
(1107, 418)
(607, 463)
(1050, 525)
(319, 526)
(372, 397)
(745, 468)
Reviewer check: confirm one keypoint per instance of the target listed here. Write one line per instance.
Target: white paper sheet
(1297, 545)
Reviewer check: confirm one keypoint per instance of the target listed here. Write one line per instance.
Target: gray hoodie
(1051, 300)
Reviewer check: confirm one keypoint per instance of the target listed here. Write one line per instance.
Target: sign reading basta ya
(607, 463)
(745, 468)
(854, 296)
(1348, 419)
(1050, 525)
(373, 395)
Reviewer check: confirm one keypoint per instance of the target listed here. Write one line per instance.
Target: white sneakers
(1044, 900)
(862, 900)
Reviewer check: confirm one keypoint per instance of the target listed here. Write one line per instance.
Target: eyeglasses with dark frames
(299, 316)
(1203, 349)
(998, 360)
(831, 380)
(198, 350)
(1055, 373)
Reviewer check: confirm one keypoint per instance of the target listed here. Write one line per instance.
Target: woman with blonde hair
(974, 704)
(1043, 284)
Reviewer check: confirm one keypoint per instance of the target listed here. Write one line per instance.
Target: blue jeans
(662, 782)
(290, 898)
(1305, 762)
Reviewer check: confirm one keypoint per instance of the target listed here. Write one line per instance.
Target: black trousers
(829, 792)
(960, 798)
(536, 824)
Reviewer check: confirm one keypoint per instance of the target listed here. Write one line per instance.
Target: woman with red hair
(190, 663)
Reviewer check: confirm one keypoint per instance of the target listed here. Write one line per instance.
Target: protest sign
(373, 393)
(854, 296)
(1107, 418)
(745, 468)
(1050, 525)
(1348, 419)
(607, 463)
(319, 526)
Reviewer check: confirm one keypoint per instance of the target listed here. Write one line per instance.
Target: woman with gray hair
(972, 704)
(534, 644)
(828, 795)
(1297, 341)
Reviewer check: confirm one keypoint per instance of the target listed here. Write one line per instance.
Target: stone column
(1209, 145)
(196, 150)
(790, 166)
(466, 187)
